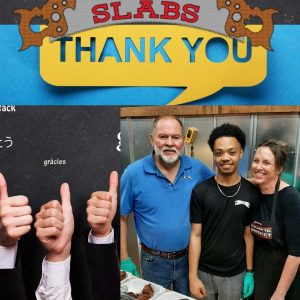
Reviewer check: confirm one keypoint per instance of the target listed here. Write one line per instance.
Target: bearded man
(157, 190)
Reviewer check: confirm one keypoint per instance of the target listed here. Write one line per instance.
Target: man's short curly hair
(229, 130)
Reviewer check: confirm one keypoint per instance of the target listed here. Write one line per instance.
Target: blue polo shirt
(161, 208)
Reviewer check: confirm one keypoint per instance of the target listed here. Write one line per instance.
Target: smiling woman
(277, 247)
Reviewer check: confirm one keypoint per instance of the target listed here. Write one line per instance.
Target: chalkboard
(42, 147)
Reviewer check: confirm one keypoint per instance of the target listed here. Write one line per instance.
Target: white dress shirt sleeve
(8, 257)
(109, 239)
(55, 282)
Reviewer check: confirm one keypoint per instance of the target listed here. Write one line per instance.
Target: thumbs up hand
(55, 225)
(15, 216)
(102, 207)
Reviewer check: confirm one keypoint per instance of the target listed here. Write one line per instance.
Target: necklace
(229, 196)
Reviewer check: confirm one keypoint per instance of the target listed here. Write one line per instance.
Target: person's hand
(197, 288)
(248, 285)
(55, 225)
(102, 207)
(15, 216)
(129, 266)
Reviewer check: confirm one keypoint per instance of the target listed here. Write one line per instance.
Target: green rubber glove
(248, 286)
(129, 266)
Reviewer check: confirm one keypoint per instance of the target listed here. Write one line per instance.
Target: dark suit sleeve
(11, 283)
(104, 269)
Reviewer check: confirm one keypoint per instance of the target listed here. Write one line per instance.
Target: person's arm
(248, 284)
(196, 286)
(15, 221)
(123, 231)
(55, 283)
(291, 222)
(103, 264)
(8, 257)
(102, 207)
(249, 242)
(101, 247)
(11, 279)
(108, 239)
(288, 274)
(127, 198)
(54, 229)
(126, 208)
(126, 262)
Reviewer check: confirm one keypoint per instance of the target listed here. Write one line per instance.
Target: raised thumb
(65, 197)
(113, 183)
(3, 188)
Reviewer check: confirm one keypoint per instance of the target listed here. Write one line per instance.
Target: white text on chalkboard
(54, 162)
(119, 144)
(6, 142)
(7, 108)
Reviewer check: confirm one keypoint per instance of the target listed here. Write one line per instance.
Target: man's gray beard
(168, 161)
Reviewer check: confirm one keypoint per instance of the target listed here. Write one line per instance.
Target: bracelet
(250, 270)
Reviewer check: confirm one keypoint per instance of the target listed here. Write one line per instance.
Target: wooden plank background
(197, 110)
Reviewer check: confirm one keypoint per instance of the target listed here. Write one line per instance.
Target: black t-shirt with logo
(274, 241)
(223, 222)
(287, 216)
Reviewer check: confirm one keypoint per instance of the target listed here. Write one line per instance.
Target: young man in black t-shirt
(221, 244)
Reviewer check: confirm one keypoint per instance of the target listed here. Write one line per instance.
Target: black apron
(270, 253)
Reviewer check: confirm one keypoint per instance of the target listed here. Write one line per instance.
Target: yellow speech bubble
(152, 55)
